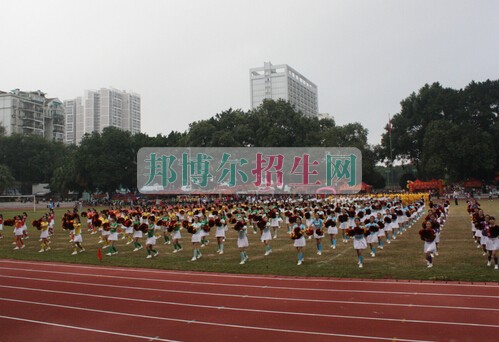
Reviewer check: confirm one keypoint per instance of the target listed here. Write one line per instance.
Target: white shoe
(74, 253)
(430, 266)
(242, 262)
(299, 263)
(436, 253)
(115, 253)
(149, 256)
(319, 253)
(155, 254)
(41, 250)
(109, 254)
(361, 265)
(16, 247)
(175, 251)
(373, 255)
(488, 263)
(380, 247)
(254, 232)
(129, 242)
(179, 250)
(496, 267)
(193, 259)
(136, 249)
(484, 253)
(82, 250)
(388, 242)
(25, 246)
(221, 252)
(266, 253)
(199, 256)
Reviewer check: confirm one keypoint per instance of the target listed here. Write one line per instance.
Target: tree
(6, 178)
(446, 133)
(108, 161)
(31, 158)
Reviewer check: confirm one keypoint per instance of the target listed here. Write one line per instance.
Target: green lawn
(459, 258)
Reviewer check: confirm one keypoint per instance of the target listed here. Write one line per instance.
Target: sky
(190, 59)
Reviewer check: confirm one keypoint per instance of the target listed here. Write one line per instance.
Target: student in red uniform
(493, 242)
(428, 235)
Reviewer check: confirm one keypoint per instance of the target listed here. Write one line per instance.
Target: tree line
(438, 133)
(445, 133)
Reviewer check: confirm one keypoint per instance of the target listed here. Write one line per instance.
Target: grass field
(459, 259)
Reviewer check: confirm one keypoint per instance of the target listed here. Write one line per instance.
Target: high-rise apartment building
(31, 112)
(101, 108)
(283, 82)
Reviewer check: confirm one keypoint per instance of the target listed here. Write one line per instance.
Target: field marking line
(298, 331)
(256, 286)
(244, 276)
(273, 298)
(273, 312)
(81, 328)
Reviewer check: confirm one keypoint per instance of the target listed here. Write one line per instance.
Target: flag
(99, 254)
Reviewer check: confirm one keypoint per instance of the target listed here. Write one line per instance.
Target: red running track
(52, 302)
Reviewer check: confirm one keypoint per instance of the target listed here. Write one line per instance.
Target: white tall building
(30, 112)
(283, 82)
(99, 109)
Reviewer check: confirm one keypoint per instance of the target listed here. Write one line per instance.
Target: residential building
(99, 109)
(31, 112)
(283, 82)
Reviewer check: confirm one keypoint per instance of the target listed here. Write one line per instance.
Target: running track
(42, 301)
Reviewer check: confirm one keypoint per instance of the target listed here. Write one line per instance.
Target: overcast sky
(190, 59)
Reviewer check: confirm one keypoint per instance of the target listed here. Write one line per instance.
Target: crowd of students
(368, 222)
(485, 232)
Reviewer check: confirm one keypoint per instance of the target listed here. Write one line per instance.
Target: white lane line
(297, 331)
(295, 299)
(243, 276)
(257, 286)
(274, 312)
(81, 328)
